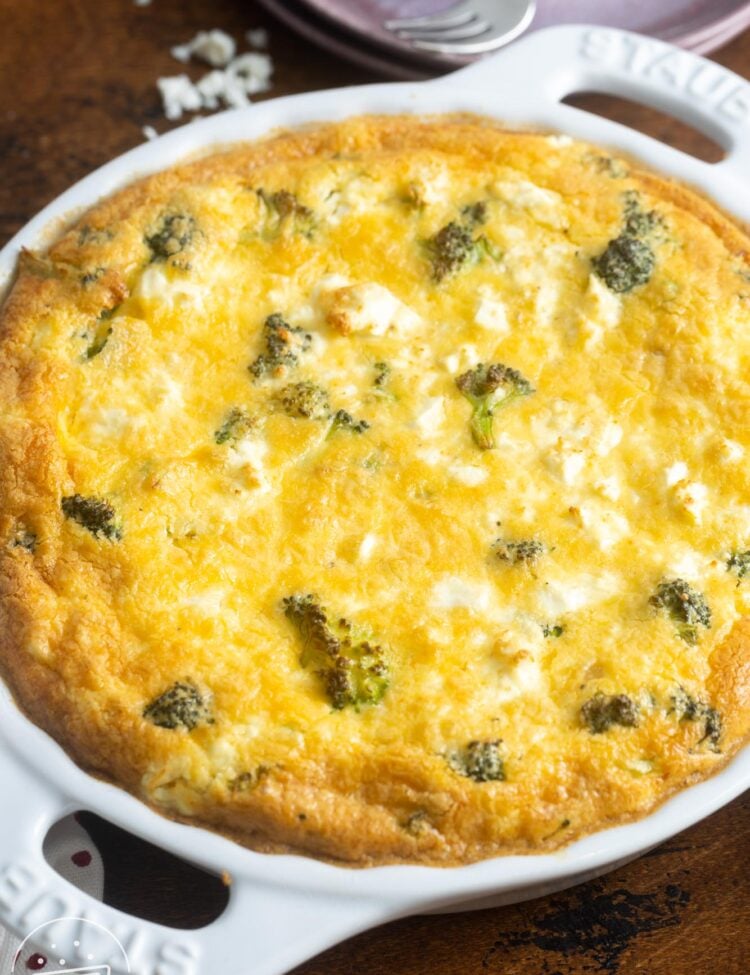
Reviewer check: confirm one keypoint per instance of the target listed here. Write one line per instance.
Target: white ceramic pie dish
(284, 909)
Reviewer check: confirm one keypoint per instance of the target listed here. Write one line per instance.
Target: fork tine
(475, 28)
(452, 17)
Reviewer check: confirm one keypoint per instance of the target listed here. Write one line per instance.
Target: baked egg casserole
(379, 490)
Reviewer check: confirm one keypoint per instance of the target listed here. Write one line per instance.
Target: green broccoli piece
(305, 400)
(181, 706)
(284, 344)
(94, 514)
(451, 248)
(284, 209)
(683, 604)
(247, 781)
(382, 374)
(479, 760)
(488, 389)
(552, 630)
(345, 421)
(639, 222)
(236, 423)
(174, 233)
(24, 539)
(602, 711)
(739, 563)
(528, 551)
(353, 669)
(626, 263)
(474, 214)
(689, 708)
(101, 333)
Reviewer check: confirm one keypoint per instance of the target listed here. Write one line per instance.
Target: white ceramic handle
(266, 929)
(546, 66)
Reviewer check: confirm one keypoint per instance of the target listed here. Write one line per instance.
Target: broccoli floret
(552, 630)
(639, 222)
(475, 214)
(305, 400)
(236, 423)
(174, 233)
(24, 539)
(382, 374)
(602, 711)
(683, 604)
(181, 706)
(353, 669)
(94, 514)
(479, 760)
(739, 563)
(528, 551)
(284, 345)
(345, 421)
(283, 208)
(689, 708)
(488, 389)
(626, 263)
(246, 781)
(451, 248)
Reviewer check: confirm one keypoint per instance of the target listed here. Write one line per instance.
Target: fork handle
(546, 66)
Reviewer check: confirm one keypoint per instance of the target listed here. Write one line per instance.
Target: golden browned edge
(348, 830)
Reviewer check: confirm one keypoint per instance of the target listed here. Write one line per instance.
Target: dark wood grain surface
(77, 83)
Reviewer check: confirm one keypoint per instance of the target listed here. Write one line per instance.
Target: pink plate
(354, 28)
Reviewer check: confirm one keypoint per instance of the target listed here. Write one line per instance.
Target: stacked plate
(355, 29)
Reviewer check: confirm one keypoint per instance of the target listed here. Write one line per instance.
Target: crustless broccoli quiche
(380, 490)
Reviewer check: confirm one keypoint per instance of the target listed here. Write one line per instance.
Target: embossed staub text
(708, 84)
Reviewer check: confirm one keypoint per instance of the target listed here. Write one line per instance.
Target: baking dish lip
(537, 108)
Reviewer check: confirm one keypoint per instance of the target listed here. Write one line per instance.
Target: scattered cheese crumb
(149, 132)
(215, 47)
(178, 95)
(230, 84)
(257, 38)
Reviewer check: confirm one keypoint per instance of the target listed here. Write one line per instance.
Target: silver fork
(468, 27)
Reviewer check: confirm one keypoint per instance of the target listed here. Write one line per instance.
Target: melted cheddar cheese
(133, 377)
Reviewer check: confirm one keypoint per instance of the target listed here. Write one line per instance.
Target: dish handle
(546, 66)
(266, 928)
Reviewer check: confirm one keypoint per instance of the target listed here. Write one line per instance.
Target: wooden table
(76, 86)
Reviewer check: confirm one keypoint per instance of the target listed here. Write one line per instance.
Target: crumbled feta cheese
(258, 37)
(246, 459)
(571, 593)
(468, 474)
(601, 311)
(452, 592)
(608, 487)
(609, 438)
(730, 452)
(367, 308)
(149, 132)
(178, 95)
(367, 546)
(490, 313)
(429, 420)
(544, 205)
(692, 497)
(208, 602)
(215, 47)
(231, 83)
(566, 461)
(606, 527)
(676, 473)
(253, 70)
